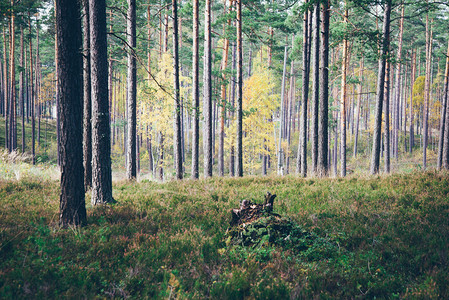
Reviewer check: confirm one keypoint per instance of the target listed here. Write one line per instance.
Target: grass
(377, 237)
(364, 236)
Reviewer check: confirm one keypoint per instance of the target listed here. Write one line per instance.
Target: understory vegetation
(373, 237)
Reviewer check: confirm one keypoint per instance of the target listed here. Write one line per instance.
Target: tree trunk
(224, 65)
(343, 129)
(427, 90)
(397, 95)
(412, 115)
(22, 87)
(207, 98)
(232, 142)
(443, 121)
(359, 103)
(375, 159)
(101, 141)
(387, 119)
(323, 138)
(72, 209)
(315, 88)
(195, 91)
(178, 129)
(33, 131)
(239, 91)
(12, 85)
(301, 163)
(282, 117)
(131, 167)
(87, 124)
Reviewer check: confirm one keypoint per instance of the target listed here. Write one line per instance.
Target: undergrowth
(375, 237)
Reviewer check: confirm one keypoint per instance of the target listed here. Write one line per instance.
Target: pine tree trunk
(387, 119)
(32, 96)
(87, 125)
(224, 65)
(101, 141)
(412, 115)
(195, 91)
(375, 159)
(343, 115)
(22, 87)
(282, 117)
(444, 135)
(315, 87)
(427, 90)
(359, 103)
(178, 125)
(397, 95)
(301, 163)
(207, 95)
(232, 142)
(239, 91)
(323, 138)
(131, 167)
(68, 27)
(12, 85)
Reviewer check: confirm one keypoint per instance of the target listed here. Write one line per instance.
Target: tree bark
(22, 87)
(397, 94)
(323, 138)
(387, 118)
(32, 100)
(427, 90)
(195, 91)
(72, 209)
(412, 115)
(301, 163)
(131, 167)
(239, 91)
(343, 129)
(178, 129)
(444, 135)
(12, 84)
(282, 117)
(101, 141)
(359, 103)
(87, 110)
(207, 98)
(315, 88)
(375, 159)
(224, 65)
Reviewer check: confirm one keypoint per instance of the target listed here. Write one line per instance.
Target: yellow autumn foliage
(259, 103)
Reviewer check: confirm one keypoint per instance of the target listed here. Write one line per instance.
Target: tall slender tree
(375, 159)
(87, 110)
(343, 104)
(301, 164)
(387, 136)
(22, 86)
(195, 91)
(427, 90)
(101, 139)
(178, 129)
(68, 26)
(443, 119)
(131, 149)
(323, 135)
(315, 87)
(239, 171)
(207, 95)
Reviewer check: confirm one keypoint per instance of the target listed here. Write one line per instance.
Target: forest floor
(372, 236)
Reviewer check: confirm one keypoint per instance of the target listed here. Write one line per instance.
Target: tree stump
(249, 212)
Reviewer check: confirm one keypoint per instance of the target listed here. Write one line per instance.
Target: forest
(168, 114)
